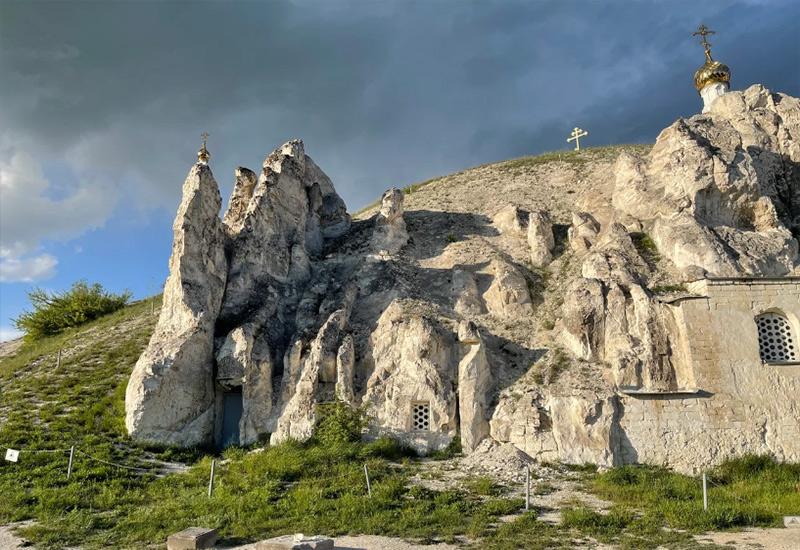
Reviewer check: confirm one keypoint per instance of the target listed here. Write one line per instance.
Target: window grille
(420, 417)
(775, 340)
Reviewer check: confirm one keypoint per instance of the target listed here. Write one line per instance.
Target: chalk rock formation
(390, 233)
(474, 387)
(720, 189)
(508, 296)
(601, 351)
(291, 209)
(170, 395)
(540, 238)
(413, 362)
(582, 232)
(511, 219)
(468, 301)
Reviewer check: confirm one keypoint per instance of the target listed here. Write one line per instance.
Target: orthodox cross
(203, 155)
(704, 31)
(577, 134)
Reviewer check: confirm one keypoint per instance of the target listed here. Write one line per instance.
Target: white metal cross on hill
(577, 134)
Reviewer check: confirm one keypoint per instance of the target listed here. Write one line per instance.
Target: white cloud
(7, 333)
(28, 216)
(27, 269)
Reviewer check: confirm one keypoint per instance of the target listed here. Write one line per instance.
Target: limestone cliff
(549, 302)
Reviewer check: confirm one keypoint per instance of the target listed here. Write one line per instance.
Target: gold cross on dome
(703, 32)
(577, 134)
(204, 135)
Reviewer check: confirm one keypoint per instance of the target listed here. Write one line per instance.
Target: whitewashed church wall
(744, 406)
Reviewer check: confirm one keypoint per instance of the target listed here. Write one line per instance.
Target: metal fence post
(71, 456)
(527, 487)
(369, 487)
(211, 479)
(705, 492)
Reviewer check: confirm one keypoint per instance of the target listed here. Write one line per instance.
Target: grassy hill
(125, 495)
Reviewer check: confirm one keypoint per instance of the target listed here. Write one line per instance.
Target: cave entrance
(231, 415)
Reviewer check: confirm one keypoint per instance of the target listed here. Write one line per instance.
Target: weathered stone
(474, 387)
(582, 232)
(293, 207)
(170, 395)
(540, 238)
(413, 363)
(345, 364)
(297, 417)
(508, 296)
(511, 220)
(296, 542)
(192, 538)
(390, 233)
(721, 188)
(240, 200)
(468, 301)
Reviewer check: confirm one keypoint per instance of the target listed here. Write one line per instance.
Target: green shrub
(54, 312)
(339, 423)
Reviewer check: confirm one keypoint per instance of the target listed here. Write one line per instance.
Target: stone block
(296, 542)
(192, 538)
(791, 522)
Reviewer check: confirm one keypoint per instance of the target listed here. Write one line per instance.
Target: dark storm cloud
(383, 93)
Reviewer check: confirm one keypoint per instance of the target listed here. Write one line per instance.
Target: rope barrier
(87, 455)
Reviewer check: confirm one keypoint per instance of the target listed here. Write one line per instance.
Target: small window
(420, 417)
(776, 342)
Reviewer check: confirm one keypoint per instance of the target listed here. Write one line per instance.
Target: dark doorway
(231, 415)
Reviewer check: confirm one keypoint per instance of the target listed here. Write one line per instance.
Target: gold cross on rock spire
(704, 31)
(577, 134)
(203, 155)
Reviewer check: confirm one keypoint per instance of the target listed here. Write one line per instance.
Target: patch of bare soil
(768, 539)
(371, 542)
(552, 487)
(10, 541)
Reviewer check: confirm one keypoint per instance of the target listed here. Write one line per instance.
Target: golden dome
(203, 155)
(711, 71)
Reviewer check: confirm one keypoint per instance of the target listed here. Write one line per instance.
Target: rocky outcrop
(620, 349)
(576, 428)
(540, 238)
(292, 209)
(720, 189)
(582, 232)
(413, 364)
(468, 300)
(170, 395)
(609, 315)
(511, 220)
(390, 233)
(508, 296)
(474, 387)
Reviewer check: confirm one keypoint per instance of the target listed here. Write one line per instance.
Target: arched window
(776, 343)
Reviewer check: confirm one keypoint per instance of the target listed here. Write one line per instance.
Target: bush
(339, 423)
(54, 312)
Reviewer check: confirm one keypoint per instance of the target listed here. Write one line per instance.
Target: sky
(102, 103)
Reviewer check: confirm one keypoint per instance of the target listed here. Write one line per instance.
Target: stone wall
(741, 405)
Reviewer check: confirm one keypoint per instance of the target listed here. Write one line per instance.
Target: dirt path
(370, 542)
(8, 540)
(767, 539)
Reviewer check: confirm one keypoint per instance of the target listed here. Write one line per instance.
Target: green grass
(749, 491)
(314, 487)
(646, 247)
